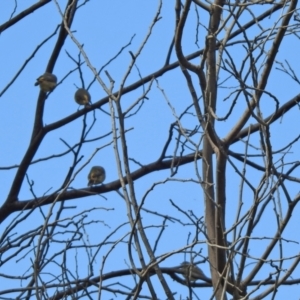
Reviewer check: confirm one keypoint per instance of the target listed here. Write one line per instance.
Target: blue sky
(104, 27)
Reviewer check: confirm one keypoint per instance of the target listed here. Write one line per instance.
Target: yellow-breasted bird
(47, 82)
(96, 175)
(82, 97)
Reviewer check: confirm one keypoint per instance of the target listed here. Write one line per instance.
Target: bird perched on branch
(47, 82)
(96, 175)
(192, 273)
(82, 97)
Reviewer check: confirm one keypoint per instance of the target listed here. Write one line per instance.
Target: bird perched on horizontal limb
(192, 273)
(96, 175)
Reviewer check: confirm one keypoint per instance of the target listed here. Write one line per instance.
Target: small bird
(96, 175)
(47, 82)
(192, 272)
(82, 97)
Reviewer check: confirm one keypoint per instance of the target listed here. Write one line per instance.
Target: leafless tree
(198, 134)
